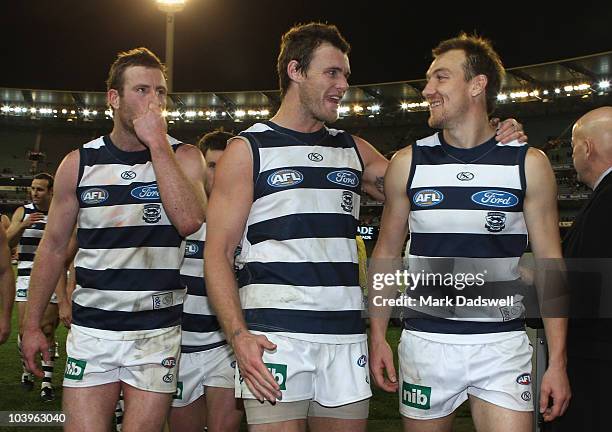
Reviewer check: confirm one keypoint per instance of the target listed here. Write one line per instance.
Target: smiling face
(141, 86)
(324, 83)
(447, 90)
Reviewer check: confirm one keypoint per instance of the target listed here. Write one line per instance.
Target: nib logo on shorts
(279, 372)
(179, 391)
(74, 369)
(416, 396)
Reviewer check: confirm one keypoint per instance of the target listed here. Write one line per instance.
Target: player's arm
(16, 228)
(540, 211)
(50, 258)
(179, 177)
(7, 287)
(229, 208)
(386, 258)
(375, 166)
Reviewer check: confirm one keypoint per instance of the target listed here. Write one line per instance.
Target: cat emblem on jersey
(495, 221)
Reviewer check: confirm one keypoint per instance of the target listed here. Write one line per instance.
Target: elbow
(190, 226)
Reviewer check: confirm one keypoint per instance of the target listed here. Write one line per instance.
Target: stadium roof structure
(580, 77)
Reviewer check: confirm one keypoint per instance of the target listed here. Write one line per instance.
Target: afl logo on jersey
(94, 196)
(145, 193)
(495, 198)
(428, 198)
(343, 178)
(191, 249)
(285, 178)
(128, 175)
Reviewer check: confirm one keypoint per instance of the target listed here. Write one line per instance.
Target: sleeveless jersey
(298, 268)
(29, 241)
(127, 266)
(467, 204)
(200, 329)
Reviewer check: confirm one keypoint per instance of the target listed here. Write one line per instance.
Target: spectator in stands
(590, 237)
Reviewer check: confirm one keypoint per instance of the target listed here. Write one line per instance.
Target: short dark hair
(135, 57)
(45, 176)
(215, 140)
(300, 42)
(480, 59)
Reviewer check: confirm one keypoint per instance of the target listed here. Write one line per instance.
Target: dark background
(231, 45)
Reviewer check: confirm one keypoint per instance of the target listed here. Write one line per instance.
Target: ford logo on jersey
(428, 198)
(495, 198)
(285, 178)
(94, 196)
(343, 178)
(149, 192)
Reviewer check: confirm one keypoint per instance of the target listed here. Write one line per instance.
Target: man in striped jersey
(133, 196)
(205, 396)
(295, 185)
(462, 195)
(26, 230)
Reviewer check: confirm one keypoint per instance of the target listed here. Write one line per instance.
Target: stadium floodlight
(343, 109)
(170, 7)
(603, 84)
(86, 112)
(190, 113)
(240, 113)
(265, 112)
(33, 110)
(94, 112)
(557, 90)
(502, 97)
(5, 108)
(545, 92)
(404, 106)
(568, 88)
(582, 86)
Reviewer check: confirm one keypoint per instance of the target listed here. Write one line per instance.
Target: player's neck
(125, 140)
(291, 115)
(42, 207)
(469, 132)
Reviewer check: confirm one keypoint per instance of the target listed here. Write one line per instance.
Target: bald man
(588, 245)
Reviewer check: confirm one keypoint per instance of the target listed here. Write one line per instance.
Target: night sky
(231, 45)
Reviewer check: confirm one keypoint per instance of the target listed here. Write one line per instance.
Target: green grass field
(384, 414)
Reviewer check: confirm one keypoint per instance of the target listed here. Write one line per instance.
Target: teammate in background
(26, 230)
(297, 184)
(133, 195)
(489, 362)
(7, 285)
(205, 396)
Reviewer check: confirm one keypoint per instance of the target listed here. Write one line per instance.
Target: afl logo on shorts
(524, 379)
(428, 198)
(343, 178)
(94, 196)
(362, 361)
(495, 198)
(465, 176)
(169, 362)
(128, 175)
(285, 178)
(145, 193)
